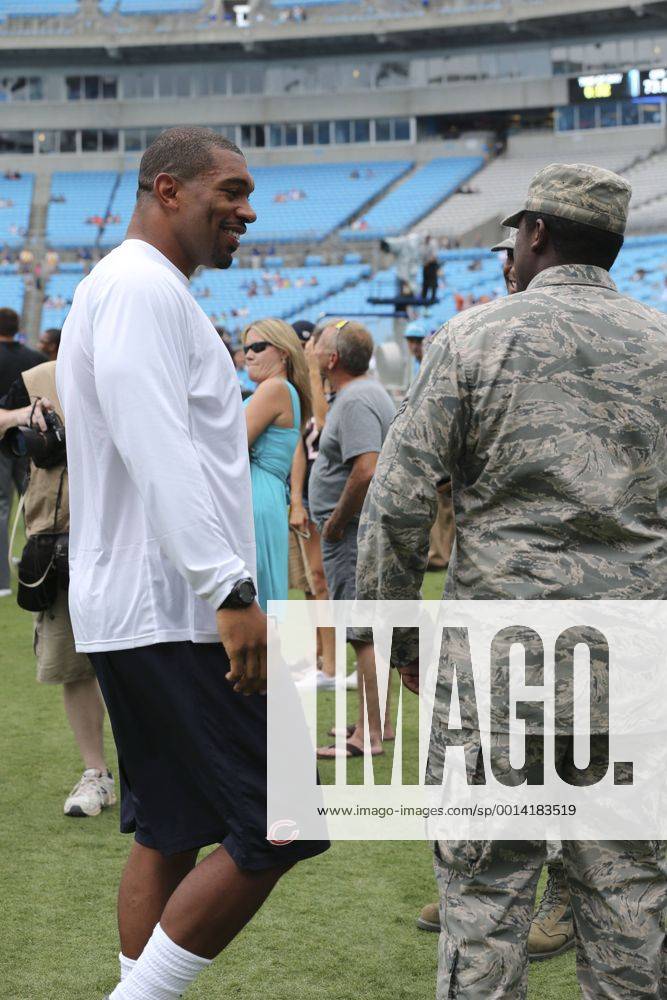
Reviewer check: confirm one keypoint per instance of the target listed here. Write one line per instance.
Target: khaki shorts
(57, 660)
(300, 575)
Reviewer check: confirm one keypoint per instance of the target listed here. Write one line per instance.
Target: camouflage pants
(487, 897)
(554, 853)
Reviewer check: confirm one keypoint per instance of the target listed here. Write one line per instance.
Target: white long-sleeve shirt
(161, 522)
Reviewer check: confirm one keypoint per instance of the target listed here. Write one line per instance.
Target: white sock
(163, 972)
(126, 965)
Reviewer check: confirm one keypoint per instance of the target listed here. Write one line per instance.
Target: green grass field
(337, 928)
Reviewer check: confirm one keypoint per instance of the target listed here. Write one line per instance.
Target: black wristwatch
(242, 595)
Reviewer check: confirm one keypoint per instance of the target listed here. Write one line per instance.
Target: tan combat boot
(429, 918)
(552, 932)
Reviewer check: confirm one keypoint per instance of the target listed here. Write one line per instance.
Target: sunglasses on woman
(257, 347)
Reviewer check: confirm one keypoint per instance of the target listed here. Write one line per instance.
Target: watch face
(246, 592)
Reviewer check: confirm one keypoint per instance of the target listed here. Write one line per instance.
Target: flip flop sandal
(334, 731)
(352, 750)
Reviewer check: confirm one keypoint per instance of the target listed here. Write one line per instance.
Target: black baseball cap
(303, 329)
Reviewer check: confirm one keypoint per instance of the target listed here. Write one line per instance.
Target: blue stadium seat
(331, 197)
(226, 296)
(12, 291)
(122, 206)
(418, 195)
(151, 6)
(86, 194)
(311, 3)
(647, 252)
(15, 216)
(59, 286)
(37, 8)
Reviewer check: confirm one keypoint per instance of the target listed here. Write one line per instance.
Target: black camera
(45, 448)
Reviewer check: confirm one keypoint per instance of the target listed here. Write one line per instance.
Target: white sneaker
(323, 682)
(352, 681)
(5, 592)
(92, 793)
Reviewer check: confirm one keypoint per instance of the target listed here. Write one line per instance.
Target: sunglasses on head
(340, 325)
(257, 347)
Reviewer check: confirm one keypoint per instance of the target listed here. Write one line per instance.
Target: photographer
(31, 426)
(14, 359)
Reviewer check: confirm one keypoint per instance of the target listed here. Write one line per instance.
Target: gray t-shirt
(357, 422)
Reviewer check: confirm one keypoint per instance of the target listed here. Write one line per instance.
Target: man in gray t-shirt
(355, 429)
(357, 424)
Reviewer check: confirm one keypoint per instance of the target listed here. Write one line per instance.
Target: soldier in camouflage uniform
(551, 930)
(547, 411)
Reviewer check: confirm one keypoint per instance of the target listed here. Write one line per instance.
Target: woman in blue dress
(275, 416)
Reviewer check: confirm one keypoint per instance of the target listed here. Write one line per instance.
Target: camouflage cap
(507, 244)
(579, 192)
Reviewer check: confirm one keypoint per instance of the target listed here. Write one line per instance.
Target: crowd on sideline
(306, 475)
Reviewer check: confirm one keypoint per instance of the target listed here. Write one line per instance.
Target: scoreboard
(634, 84)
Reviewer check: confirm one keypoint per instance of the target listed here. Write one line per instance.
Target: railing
(264, 21)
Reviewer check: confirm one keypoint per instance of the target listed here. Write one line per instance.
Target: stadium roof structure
(384, 26)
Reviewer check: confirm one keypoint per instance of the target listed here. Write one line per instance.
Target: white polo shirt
(161, 523)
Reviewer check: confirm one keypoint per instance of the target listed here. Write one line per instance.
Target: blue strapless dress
(270, 464)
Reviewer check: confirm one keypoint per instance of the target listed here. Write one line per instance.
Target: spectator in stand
(26, 260)
(357, 423)
(51, 261)
(430, 270)
(276, 414)
(49, 343)
(14, 359)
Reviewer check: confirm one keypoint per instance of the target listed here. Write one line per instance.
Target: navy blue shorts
(191, 754)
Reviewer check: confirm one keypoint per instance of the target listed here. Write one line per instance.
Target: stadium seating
(224, 295)
(648, 208)
(15, 217)
(332, 197)
(37, 8)
(11, 291)
(647, 253)
(311, 3)
(151, 6)
(59, 286)
(497, 191)
(228, 291)
(122, 207)
(86, 194)
(416, 196)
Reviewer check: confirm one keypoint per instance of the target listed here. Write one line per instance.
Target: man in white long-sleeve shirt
(162, 567)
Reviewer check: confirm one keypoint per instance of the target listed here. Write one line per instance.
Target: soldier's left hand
(410, 676)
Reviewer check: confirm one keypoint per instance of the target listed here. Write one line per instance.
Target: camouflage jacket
(547, 411)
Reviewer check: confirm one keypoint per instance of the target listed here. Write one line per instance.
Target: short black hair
(578, 243)
(183, 152)
(9, 322)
